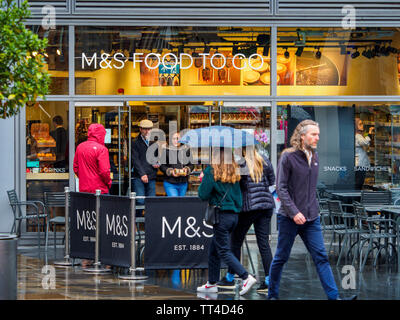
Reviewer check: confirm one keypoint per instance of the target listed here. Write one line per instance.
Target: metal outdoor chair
(337, 225)
(324, 213)
(350, 233)
(36, 213)
(380, 234)
(55, 200)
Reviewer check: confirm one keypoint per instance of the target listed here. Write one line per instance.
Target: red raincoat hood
(96, 132)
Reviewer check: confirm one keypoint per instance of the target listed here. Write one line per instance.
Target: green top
(213, 191)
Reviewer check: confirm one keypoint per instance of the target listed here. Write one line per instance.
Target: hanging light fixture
(299, 51)
(355, 54)
(286, 54)
(318, 54)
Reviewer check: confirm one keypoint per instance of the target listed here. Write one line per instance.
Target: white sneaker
(208, 288)
(247, 284)
(208, 295)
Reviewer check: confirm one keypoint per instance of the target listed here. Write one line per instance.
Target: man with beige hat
(144, 174)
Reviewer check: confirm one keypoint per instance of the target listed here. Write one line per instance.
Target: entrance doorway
(121, 120)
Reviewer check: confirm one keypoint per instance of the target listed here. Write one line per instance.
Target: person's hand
(299, 218)
(186, 170)
(156, 166)
(175, 173)
(145, 179)
(371, 130)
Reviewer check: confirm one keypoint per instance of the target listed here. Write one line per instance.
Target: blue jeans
(311, 234)
(220, 248)
(143, 189)
(175, 189)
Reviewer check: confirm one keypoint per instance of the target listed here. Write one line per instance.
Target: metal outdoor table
(393, 212)
(347, 197)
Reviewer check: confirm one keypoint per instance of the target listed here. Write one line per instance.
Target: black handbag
(211, 216)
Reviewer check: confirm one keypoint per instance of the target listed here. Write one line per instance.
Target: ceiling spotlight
(318, 54)
(367, 53)
(299, 51)
(235, 50)
(287, 54)
(355, 54)
(376, 51)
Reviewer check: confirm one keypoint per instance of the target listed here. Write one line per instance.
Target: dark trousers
(220, 249)
(261, 219)
(360, 178)
(311, 234)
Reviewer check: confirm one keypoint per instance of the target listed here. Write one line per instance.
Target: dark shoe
(263, 288)
(353, 297)
(225, 284)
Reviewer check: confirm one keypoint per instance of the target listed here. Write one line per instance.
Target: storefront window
(172, 61)
(46, 148)
(334, 61)
(56, 57)
(359, 144)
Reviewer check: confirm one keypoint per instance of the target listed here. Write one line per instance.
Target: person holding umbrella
(257, 209)
(220, 186)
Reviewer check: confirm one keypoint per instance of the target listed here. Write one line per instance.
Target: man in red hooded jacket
(92, 162)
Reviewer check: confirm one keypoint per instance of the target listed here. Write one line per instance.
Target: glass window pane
(56, 57)
(47, 154)
(172, 61)
(359, 142)
(334, 61)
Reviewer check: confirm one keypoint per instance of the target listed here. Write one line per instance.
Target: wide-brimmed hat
(146, 124)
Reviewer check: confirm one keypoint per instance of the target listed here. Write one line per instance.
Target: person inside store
(92, 164)
(176, 164)
(220, 186)
(257, 209)
(362, 142)
(297, 178)
(60, 136)
(144, 174)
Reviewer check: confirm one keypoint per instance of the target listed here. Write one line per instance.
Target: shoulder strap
(226, 193)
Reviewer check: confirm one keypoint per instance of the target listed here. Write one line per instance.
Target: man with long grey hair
(297, 177)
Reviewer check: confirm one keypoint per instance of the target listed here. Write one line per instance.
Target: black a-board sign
(82, 213)
(176, 234)
(115, 231)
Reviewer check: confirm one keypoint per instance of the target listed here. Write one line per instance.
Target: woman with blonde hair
(257, 210)
(220, 186)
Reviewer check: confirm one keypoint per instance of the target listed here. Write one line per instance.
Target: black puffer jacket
(256, 196)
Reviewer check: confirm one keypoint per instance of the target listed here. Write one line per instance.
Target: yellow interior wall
(109, 80)
(53, 108)
(377, 76)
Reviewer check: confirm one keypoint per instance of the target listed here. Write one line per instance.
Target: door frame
(121, 105)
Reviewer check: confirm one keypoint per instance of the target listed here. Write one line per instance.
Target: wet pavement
(299, 280)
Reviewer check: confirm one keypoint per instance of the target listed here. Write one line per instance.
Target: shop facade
(262, 66)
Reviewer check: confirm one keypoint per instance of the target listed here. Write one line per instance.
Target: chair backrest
(361, 216)
(54, 199)
(335, 208)
(376, 197)
(14, 202)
